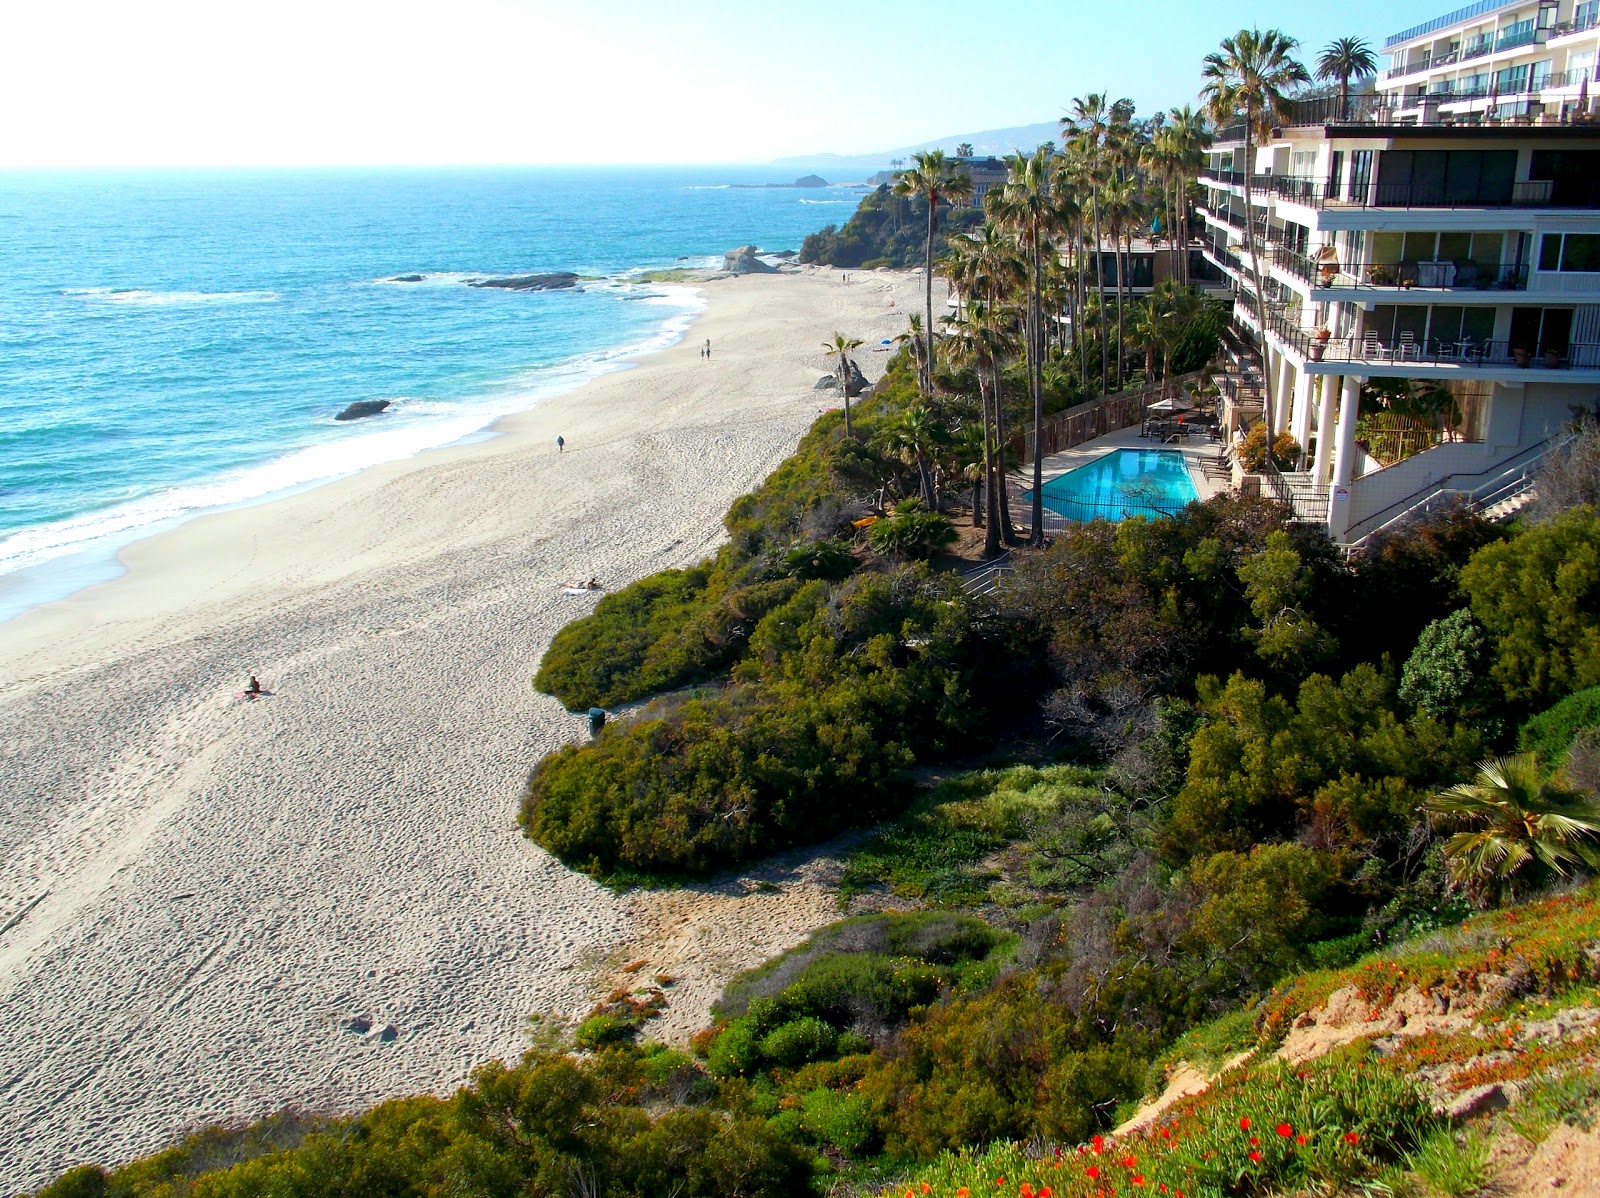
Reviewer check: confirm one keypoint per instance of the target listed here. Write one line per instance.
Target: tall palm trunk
(1255, 272)
(1008, 532)
(1036, 385)
(1077, 309)
(927, 355)
(991, 523)
(1116, 257)
(1100, 284)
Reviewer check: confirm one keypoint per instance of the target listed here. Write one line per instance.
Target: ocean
(178, 342)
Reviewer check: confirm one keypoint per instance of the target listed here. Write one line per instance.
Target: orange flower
(926, 1187)
(962, 1192)
(1351, 1137)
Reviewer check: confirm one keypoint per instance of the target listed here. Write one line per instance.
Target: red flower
(1299, 1139)
(1254, 1141)
(1350, 1137)
(1098, 1143)
(1255, 1156)
(926, 1187)
(1094, 1172)
(1244, 1124)
(1046, 1192)
(1138, 1179)
(1026, 1191)
(1285, 1130)
(1129, 1162)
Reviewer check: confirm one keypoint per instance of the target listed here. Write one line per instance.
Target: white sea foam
(805, 201)
(409, 427)
(139, 297)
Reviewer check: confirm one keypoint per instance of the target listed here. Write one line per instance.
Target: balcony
(1427, 277)
(1477, 49)
(1518, 35)
(1528, 193)
(1384, 356)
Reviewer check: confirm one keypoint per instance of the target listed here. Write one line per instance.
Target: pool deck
(1059, 463)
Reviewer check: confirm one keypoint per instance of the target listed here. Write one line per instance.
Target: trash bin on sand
(597, 720)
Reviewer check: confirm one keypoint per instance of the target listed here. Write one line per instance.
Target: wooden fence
(1086, 421)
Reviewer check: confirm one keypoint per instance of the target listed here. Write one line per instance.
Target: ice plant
(1284, 1130)
(1254, 1155)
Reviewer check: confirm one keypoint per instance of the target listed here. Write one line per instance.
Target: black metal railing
(1403, 351)
(1325, 193)
(1457, 274)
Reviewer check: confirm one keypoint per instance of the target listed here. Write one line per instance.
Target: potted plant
(1521, 356)
(1319, 343)
(1552, 359)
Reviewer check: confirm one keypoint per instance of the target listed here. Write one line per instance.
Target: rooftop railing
(1482, 8)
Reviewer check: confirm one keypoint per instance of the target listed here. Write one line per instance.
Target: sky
(359, 82)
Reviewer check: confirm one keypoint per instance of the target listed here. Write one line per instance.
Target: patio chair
(1373, 348)
(1409, 349)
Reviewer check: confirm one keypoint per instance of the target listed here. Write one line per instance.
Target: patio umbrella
(1172, 405)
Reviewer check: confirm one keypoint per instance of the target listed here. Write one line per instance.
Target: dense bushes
(886, 230)
(841, 689)
(550, 1125)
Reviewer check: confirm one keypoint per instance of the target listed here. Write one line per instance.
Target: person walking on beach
(561, 443)
(708, 349)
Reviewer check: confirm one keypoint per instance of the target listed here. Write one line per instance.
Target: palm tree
(916, 437)
(1513, 818)
(842, 345)
(1248, 79)
(1190, 138)
(931, 177)
(986, 264)
(1092, 128)
(1023, 204)
(1344, 59)
(964, 150)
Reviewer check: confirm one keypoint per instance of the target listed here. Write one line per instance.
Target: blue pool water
(1123, 483)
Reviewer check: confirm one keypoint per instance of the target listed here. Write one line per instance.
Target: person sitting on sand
(254, 688)
(593, 584)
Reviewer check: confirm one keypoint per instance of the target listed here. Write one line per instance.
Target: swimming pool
(1123, 483)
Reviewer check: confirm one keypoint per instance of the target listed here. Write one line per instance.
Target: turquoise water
(1123, 483)
(175, 342)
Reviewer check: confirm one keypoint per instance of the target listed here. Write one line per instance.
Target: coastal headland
(214, 907)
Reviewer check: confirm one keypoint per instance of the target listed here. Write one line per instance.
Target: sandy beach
(212, 908)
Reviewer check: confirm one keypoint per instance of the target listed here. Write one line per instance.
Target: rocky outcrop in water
(363, 408)
(406, 279)
(743, 261)
(555, 281)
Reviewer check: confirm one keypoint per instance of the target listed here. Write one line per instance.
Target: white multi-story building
(1453, 244)
(1496, 61)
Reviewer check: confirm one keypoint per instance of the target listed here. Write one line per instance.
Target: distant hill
(990, 141)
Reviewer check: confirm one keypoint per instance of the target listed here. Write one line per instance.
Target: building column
(1300, 414)
(1330, 390)
(1281, 394)
(1344, 456)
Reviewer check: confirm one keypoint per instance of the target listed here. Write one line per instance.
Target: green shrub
(838, 1120)
(600, 1031)
(911, 532)
(1539, 598)
(1550, 734)
(1443, 677)
(799, 1042)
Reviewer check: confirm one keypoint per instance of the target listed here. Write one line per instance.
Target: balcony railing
(1510, 39)
(1481, 8)
(1403, 351)
(1461, 274)
(1577, 25)
(1477, 49)
(1324, 193)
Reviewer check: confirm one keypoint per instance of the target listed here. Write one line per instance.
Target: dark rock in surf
(363, 408)
(406, 279)
(556, 281)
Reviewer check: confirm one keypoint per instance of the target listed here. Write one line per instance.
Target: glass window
(1387, 248)
(1419, 247)
(1444, 326)
(1577, 252)
(1455, 247)
(1487, 248)
(1582, 252)
(1478, 324)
